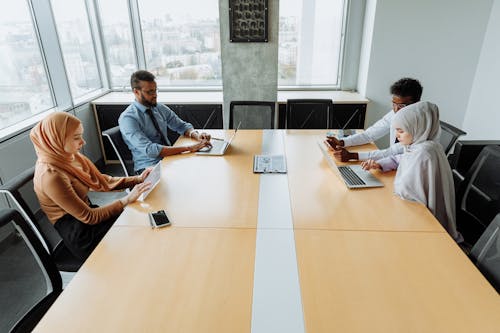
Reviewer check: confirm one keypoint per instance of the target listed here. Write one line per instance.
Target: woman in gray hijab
(424, 174)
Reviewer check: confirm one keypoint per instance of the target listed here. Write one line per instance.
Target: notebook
(219, 146)
(154, 178)
(353, 175)
(269, 164)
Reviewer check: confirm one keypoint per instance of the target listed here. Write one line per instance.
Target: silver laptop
(353, 175)
(219, 147)
(154, 178)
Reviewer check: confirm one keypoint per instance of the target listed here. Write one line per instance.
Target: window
(117, 33)
(310, 36)
(181, 41)
(77, 46)
(24, 89)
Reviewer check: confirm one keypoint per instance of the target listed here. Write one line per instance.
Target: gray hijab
(424, 174)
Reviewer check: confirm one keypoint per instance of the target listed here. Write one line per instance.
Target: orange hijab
(49, 137)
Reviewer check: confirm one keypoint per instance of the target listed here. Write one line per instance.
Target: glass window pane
(181, 41)
(24, 89)
(77, 46)
(118, 41)
(309, 42)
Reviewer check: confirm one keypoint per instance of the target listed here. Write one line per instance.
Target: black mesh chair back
(478, 198)
(449, 135)
(486, 253)
(251, 114)
(19, 191)
(121, 149)
(29, 280)
(308, 113)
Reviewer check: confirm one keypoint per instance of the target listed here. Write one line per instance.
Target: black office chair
(251, 114)
(478, 197)
(463, 156)
(486, 253)
(308, 113)
(449, 135)
(21, 187)
(29, 280)
(121, 149)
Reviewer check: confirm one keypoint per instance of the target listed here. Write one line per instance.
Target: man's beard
(147, 103)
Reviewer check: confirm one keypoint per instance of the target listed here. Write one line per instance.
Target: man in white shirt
(404, 92)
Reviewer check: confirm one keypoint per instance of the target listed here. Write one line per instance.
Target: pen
(219, 139)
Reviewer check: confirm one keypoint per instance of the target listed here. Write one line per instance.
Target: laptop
(353, 175)
(219, 146)
(154, 178)
(269, 164)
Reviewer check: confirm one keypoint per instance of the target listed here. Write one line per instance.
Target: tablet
(154, 178)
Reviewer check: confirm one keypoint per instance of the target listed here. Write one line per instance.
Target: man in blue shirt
(144, 125)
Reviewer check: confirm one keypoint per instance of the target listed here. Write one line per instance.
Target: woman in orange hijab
(63, 177)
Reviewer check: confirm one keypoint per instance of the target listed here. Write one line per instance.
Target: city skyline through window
(25, 89)
(181, 42)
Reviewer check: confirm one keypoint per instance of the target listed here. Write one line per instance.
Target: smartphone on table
(158, 219)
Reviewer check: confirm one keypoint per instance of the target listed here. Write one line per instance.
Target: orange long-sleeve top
(60, 193)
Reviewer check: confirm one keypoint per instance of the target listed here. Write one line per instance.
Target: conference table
(294, 252)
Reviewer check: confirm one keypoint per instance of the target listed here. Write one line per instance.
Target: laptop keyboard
(350, 176)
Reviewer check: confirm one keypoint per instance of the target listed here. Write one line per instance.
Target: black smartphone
(158, 219)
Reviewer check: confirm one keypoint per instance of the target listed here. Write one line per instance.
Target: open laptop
(353, 175)
(219, 146)
(154, 178)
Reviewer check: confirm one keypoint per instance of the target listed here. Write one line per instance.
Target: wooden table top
(391, 282)
(366, 260)
(165, 280)
(320, 200)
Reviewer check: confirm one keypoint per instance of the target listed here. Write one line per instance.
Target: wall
(437, 42)
(482, 118)
(249, 70)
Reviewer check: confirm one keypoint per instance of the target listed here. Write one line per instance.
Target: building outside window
(310, 42)
(181, 41)
(25, 89)
(119, 45)
(77, 46)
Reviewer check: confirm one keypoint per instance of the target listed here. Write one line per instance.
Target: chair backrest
(486, 253)
(252, 114)
(478, 198)
(308, 113)
(27, 275)
(121, 149)
(449, 135)
(14, 189)
(18, 190)
(466, 152)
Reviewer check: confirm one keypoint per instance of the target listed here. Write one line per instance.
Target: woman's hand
(370, 164)
(135, 193)
(145, 174)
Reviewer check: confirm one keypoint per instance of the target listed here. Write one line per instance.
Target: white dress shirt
(374, 132)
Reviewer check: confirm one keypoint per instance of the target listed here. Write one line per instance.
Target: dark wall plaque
(248, 20)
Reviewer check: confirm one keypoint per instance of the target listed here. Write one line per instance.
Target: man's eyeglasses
(399, 105)
(149, 92)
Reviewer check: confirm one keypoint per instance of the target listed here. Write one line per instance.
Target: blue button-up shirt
(141, 136)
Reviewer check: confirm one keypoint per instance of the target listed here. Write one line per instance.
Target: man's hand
(199, 136)
(205, 136)
(199, 145)
(370, 164)
(344, 155)
(333, 142)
